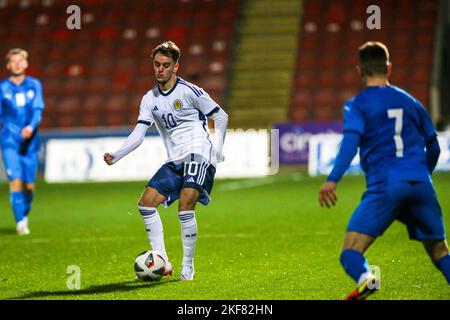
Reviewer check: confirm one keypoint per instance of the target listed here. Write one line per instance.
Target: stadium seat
(69, 105)
(323, 113)
(110, 55)
(116, 103)
(299, 114)
(73, 86)
(330, 34)
(116, 119)
(66, 121)
(90, 120)
(92, 104)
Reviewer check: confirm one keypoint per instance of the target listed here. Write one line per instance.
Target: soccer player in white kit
(179, 110)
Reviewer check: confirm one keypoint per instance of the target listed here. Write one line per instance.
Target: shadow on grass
(8, 231)
(98, 289)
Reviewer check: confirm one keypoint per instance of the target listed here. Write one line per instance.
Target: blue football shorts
(194, 171)
(20, 166)
(413, 203)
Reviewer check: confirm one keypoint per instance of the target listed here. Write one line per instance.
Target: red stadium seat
(116, 104)
(60, 35)
(328, 42)
(66, 121)
(92, 104)
(299, 114)
(328, 77)
(323, 113)
(110, 56)
(108, 33)
(69, 105)
(90, 120)
(116, 119)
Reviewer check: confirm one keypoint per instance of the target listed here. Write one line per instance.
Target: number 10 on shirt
(169, 121)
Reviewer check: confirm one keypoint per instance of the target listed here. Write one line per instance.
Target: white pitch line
(172, 237)
(138, 238)
(244, 184)
(252, 183)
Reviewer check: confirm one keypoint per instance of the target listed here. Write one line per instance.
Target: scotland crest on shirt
(178, 104)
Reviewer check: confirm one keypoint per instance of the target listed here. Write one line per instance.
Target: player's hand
(108, 157)
(220, 157)
(327, 194)
(27, 132)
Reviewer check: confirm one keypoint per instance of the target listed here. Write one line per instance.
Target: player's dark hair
(168, 49)
(373, 59)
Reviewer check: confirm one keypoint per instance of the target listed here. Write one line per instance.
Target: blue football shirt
(394, 128)
(20, 106)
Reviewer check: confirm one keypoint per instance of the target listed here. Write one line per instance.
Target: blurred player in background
(179, 110)
(20, 114)
(398, 151)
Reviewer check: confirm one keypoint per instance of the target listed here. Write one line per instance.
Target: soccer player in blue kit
(398, 151)
(21, 106)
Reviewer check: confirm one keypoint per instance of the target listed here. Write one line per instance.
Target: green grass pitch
(262, 238)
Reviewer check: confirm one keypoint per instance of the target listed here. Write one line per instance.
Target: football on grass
(149, 265)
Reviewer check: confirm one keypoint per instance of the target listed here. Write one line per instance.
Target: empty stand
(101, 72)
(332, 31)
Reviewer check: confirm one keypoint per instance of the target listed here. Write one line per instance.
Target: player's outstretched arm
(220, 126)
(108, 158)
(133, 141)
(347, 151)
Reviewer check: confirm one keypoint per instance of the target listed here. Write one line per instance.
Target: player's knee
(151, 198)
(188, 199)
(186, 204)
(16, 185)
(148, 202)
(357, 241)
(29, 188)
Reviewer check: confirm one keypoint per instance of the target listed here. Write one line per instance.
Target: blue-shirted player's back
(394, 127)
(398, 150)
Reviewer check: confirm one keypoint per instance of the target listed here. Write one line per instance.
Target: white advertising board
(79, 160)
(323, 149)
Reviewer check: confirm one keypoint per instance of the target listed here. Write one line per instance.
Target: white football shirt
(180, 115)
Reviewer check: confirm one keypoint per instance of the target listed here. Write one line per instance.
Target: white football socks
(154, 228)
(188, 235)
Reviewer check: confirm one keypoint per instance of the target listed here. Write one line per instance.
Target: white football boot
(187, 272)
(22, 227)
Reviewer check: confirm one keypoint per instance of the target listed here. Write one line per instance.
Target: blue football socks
(17, 204)
(28, 198)
(443, 264)
(354, 263)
